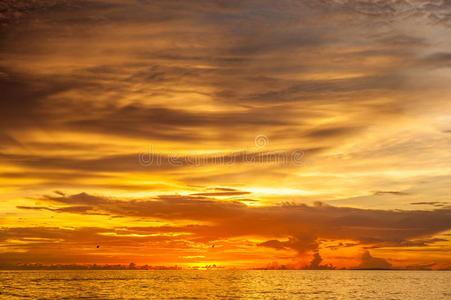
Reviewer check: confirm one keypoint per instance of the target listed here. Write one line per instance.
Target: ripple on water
(224, 284)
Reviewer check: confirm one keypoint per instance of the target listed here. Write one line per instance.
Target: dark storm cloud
(302, 243)
(25, 102)
(52, 175)
(437, 60)
(251, 30)
(395, 193)
(370, 262)
(70, 209)
(434, 11)
(307, 90)
(230, 193)
(29, 103)
(331, 132)
(414, 243)
(149, 161)
(432, 203)
(20, 100)
(14, 12)
(232, 218)
(171, 124)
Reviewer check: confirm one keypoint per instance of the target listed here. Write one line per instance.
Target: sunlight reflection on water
(224, 284)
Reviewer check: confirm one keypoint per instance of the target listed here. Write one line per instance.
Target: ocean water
(225, 284)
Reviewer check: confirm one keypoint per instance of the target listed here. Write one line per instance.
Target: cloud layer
(356, 91)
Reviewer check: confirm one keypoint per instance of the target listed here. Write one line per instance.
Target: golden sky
(297, 133)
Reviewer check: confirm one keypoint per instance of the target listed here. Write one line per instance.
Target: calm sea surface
(225, 284)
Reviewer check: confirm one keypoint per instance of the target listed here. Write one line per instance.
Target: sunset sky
(237, 133)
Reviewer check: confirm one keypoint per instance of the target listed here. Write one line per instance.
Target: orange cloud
(87, 87)
(296, 230)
